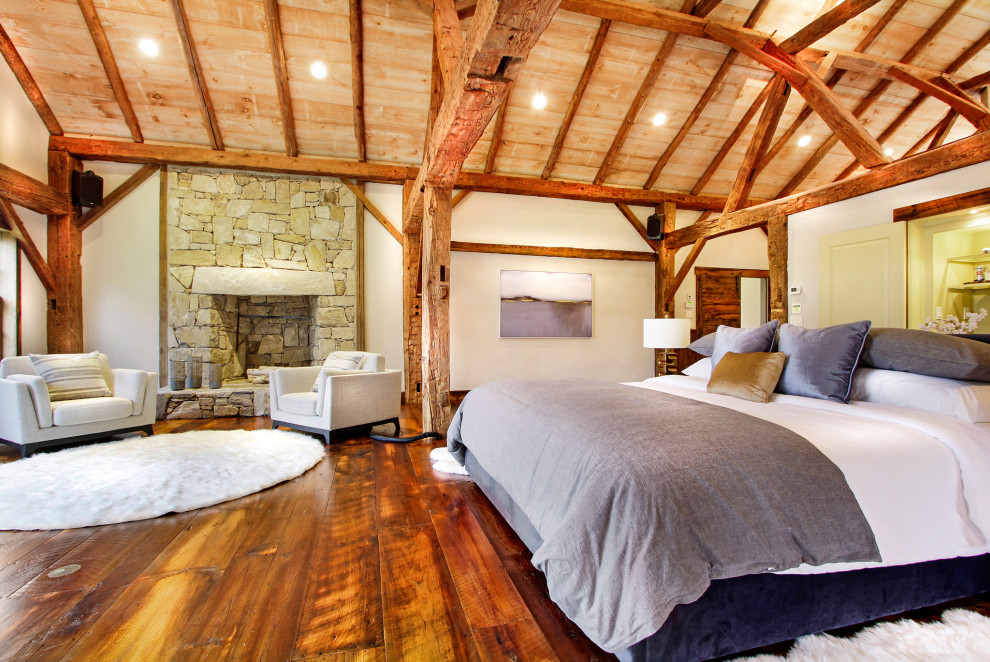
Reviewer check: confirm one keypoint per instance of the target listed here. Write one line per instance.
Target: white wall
(24, 147)
(805, 228)
(120, 274)
(623, 291)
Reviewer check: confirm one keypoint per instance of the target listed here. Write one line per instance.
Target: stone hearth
(237, 398)
(262, 272)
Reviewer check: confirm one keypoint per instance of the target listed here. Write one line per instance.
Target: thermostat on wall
(794, 289)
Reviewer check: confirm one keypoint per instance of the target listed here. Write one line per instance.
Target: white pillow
(702, 368)
(969, 401)
(344, 361)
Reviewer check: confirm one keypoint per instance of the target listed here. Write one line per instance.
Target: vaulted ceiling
(709, 93)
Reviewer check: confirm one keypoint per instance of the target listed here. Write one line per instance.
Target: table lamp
(666, 334)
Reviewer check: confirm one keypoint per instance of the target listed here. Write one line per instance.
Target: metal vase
(194, 372)
(214, 374)
(176, 375)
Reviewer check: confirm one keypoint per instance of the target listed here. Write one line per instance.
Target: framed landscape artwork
(544, 304)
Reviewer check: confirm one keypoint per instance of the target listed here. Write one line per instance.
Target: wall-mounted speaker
(654, 226)
(87, 189)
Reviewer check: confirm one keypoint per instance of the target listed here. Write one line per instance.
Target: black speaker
(654, 226)
(87, 189)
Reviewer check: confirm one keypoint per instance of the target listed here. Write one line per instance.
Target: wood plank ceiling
(233, 41)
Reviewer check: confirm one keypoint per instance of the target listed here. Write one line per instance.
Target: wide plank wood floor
(368, 557)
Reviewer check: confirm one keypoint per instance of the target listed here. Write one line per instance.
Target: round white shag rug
(144, 477)
(961, 636)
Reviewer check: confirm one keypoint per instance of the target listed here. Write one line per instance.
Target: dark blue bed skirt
(742, 613)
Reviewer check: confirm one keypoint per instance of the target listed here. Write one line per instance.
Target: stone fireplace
(261, 269)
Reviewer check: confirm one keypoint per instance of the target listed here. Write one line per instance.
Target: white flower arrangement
(952, 324)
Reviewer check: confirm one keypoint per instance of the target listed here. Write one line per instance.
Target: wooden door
(718, 294)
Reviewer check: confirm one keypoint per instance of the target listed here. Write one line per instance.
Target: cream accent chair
(29, 420)
(369, 395)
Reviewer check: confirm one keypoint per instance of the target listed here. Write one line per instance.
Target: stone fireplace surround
(261, 272)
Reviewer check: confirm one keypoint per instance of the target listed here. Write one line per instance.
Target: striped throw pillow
(71, 376)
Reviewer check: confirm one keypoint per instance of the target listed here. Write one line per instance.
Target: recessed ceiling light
(889, 151)
(659, 119)
(318, 69)
(539, 101)
(149, 47)
(804, 141)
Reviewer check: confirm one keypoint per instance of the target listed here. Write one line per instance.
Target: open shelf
(971, 259)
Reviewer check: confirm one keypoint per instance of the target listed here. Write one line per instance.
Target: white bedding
(922, 479)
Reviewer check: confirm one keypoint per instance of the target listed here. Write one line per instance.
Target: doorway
(734, 297)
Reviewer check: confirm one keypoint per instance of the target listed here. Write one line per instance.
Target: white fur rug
(961, 636)
(444, 462)
(144, 477)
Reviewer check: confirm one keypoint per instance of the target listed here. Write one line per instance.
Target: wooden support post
(65, 315)
(436, 309)
(777, 254)
(412, 320)
(664, 272)
(359, 323)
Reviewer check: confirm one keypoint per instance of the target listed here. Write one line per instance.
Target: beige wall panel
(875, 255)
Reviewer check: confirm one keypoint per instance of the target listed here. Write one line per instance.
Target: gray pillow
(704, 345)
(740, 341)
(820, 362)
(927, 353)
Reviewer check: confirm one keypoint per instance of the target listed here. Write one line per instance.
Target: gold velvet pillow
(749, 376)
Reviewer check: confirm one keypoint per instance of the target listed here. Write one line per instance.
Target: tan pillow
(71, 376)
(750, 376)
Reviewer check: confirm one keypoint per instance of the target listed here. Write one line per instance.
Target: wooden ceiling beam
(979, 80)
(357, 77)
(110, 68)
(554, 251)
(839, 118)
(825, 24)
(373, 208)
(703, 102)
(953, 67)
(973, 112)
(832, 81)
(459, 197)
(759, 143)
(572, 107)
(31, 252)
(959, 154)
(497, 133)
(448, 38)
(29, 193)
(127, 152)
(436, 96)
(501, 36)
(196, 76)
(645, 88)
(277, 47)
(28, 84)
(115, 196)
(465, 8)
(543, 188)
(942, 129)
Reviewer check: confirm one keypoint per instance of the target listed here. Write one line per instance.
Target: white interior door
(864, 276)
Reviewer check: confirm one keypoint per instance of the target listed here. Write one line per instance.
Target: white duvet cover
(922, 479)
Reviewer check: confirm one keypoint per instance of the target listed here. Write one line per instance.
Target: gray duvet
(642, 498)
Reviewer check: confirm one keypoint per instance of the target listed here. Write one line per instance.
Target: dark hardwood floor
(369, 556)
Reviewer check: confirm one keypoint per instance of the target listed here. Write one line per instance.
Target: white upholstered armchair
(30, 419)
(348, 390)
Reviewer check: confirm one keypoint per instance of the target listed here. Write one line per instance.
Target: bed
(906, 525)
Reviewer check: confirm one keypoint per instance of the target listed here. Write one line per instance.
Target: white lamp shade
(667, 333)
